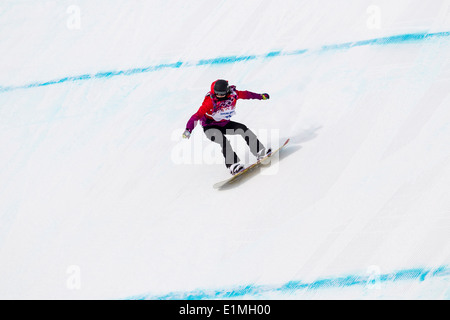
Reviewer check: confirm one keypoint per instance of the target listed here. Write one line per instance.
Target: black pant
(217, 135)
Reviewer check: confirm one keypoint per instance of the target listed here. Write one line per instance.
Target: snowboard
(238, 176)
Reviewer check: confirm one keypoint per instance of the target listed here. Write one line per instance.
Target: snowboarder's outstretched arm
(252, 95)
(206, 105)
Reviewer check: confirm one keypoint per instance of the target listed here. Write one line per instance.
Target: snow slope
(102, 199)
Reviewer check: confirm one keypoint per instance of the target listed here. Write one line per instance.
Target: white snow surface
(100, 198)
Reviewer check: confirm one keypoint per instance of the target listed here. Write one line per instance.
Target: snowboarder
(214, 114)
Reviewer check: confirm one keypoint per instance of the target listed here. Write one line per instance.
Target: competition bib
(224, 114)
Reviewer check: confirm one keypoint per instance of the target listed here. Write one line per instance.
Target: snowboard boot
(263, 153)
(236, 168)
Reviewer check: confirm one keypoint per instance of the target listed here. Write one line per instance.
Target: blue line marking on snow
(397, 39)
(273, 54)
(291, 287)
(225, 60)
(404, 38)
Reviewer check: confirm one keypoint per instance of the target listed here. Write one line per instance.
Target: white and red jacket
(218, 112)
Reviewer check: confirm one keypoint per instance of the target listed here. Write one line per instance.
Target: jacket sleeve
(206, 105)
(248, 95)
